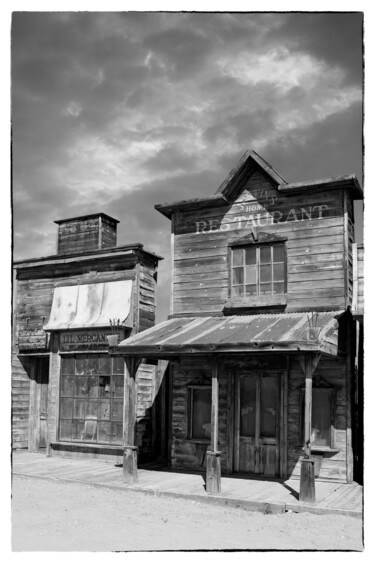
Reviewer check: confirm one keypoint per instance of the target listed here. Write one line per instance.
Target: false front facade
(261, 342)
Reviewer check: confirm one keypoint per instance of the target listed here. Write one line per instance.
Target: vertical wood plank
(346, 248)
(355, 276)
(258, 460)
(349, 399)
(215, 407)
(171, 304)
(33, 408)
(236, 437)
(308, 404)
(230, 423)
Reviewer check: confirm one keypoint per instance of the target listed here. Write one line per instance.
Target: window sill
(322, 449)
(199, 441)
(259, 301)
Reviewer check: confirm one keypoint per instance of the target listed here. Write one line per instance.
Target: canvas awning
(91, 305)
(285, 332)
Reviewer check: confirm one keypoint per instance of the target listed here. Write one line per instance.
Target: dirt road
(58, 516)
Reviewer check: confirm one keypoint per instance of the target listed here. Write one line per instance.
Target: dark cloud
(116, 112)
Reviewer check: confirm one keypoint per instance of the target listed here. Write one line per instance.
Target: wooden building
(261, 340)
(67, 391)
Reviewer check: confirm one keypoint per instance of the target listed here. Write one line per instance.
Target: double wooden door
(258, 417)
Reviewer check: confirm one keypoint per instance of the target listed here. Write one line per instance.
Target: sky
(116, 112)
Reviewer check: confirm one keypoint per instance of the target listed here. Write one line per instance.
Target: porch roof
(283, 332)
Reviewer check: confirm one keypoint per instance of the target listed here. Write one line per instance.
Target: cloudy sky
(116, 112)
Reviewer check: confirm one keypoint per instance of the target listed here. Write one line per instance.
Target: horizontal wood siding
(20, 401)
(360, 263)
(147, 295)
(315, 248)
(186, 453)
(332, 371)
(109, 233)
(34, 298)
(78, 236)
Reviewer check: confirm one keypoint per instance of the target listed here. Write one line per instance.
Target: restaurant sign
(85, 340)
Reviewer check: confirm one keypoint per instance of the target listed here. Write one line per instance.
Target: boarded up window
(200, 413)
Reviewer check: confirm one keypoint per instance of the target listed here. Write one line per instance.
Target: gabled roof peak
(247, 163)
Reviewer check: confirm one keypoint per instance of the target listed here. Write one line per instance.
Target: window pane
(104, 365)
(80, 365)
(247, 422)
(90, 427)
(265, 254)
(118, 365)
(104, 385)
(237, 291)
(104, 432)
(201, 413)
(251, 255)
(321, 417)
(265, 274)
(66, 408)
(78, 430)
(92, 409)
(92, 365)
(117, 409)
(92, 387)
(237, 256)
(118, 386)
(265, 289)
(278, 253)
(67, 365)
(67, 386)
(278, 287)
(66, 430)
(104, 409)
(81, 387)
(237, 276)
(251, 274)
(116, 437)
(251, 290)
(268, 406)
(278, 272)
(79, 408)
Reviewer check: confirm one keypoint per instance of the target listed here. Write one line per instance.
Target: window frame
(259, 299)
(317, 447)
(190, 405)
(103, 379)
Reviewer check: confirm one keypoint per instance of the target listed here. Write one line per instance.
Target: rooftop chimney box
(88, 232)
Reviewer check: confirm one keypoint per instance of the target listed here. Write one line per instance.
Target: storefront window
(200, 413)
(91, 398)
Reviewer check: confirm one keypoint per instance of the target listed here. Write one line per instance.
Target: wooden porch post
(308, 363)
(213, 478)
(129, 467)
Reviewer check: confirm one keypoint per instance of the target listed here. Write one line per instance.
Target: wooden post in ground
(129, 469)
(308, 363)
(213, 476)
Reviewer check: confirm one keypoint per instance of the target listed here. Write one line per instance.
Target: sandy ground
(58, 516)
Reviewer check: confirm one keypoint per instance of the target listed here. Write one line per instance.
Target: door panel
(38, 404)
(258, 427)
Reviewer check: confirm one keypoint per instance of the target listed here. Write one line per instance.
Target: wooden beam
(130, 474)
(213, 479)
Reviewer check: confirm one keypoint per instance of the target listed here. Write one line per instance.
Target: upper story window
(258, 270)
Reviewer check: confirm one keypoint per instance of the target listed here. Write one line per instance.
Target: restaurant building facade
(265, 331)
(67, 391)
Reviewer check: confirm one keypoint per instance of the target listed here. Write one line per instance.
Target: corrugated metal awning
(267, 332)
(91, 305)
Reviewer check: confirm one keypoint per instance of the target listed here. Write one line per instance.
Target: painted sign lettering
(248, 221)
(84, 340)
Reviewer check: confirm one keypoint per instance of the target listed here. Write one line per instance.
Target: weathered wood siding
(78, 236)
(20, 401)
(147, 294)
(34, 298)
(360, 278)
(187, 453)
(333, 372)
(109, 233)
(316, 247)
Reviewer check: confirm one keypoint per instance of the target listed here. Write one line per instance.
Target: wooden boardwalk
(267, 496)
